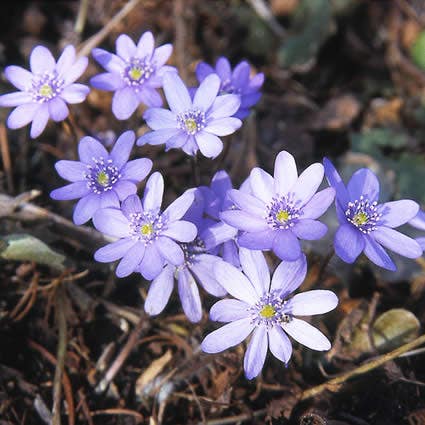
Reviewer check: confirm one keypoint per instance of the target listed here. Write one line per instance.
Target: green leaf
(24, 247)
(417, 51)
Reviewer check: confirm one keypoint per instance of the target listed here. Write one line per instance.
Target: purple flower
(237, 82)
(280, 209)
(147, 237)
(100, 179)
(45, 91)
(261, 308)
(365, 225)
(192, 125)
(419, 223)
(134, 73)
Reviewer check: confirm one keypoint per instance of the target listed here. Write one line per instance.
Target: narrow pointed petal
(349, 243)
(244, 221)
(227, 336)
(377, 254)
(318, 301)
(177, 95)
(255, 267)
(262, 184)
(396, 213)
(235, 283)
(39, 121)
(189, 296)
(131, 260)
(397, 242)
(145, 45)
(307, 335)
(76, 70)
(334, 180)
(154, 191)
(178, 208)
(114, 250)
(207, 92)
(279, 344)
(286, 245)
(288, 276)
(71, 191)
(309, 229)
(308, 182)
(160, 291)
(229, 311)
(125, 47)
(285, 173)
(256, 353)
(247, 202)
(66, 60)
(363, 183)
(319, 203)
(122, 148)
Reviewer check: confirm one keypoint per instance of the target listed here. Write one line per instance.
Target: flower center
(191, 121)
(137, 72)
(146, 226)
(45, 87)
(101, 175)
(363, 214)
(269, 311)
(282, 212)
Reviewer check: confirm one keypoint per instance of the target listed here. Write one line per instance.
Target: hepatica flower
(281, 209)
(147, 237)
(45, 91)
(237, 82)
(262, 308)
(367, 226)
(134, 73)
(192, 125)
(419, 223)
(101, 179)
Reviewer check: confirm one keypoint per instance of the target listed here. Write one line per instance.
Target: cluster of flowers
(209, 236)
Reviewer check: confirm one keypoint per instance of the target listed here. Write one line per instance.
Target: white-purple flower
(101, 179)
(192, 125)
(281, 209)
(238, 82)
(367, 226)
(134, 73)
(262, 308)
(419, 223)
(147, 237)
(45, 91)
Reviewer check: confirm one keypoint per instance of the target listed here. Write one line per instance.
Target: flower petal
(308, 182)
(217, 234)
(418, 221)
(107, 81)
(279, 344)
(41, 60)
(152, 263)
(207, 92)
(131, 205)
(160, 291)
(131, 260)
(158, 118)
(363, 183)
(255, 267)
(262, 184)
(223, 68)
(307, 335)
(125, 47)
(396, 213)
(225, 105)
(227, 336)
(397, 242)
(178, 208)
(124, 103)
(256, 353)
(158, 137)
(19, 77)
(154, 191)
(145, 45)
(76, 70)
(66, 59)
(334, 180)
(85, 208)
(22, 115)
(136, 170)
(285, 173)
(39, 121)
(75, 93)
(111, 221)
(170, 250)
(235, 283)
(161, 55)
(257, 240)
(124, 188)
(349, 243)
(209, 144)
(318, 301)
(202, 70)
(15, 99)
(58, 110)
(71, 191)
(90, 149)
(223, 126)
(288, 276)
(114, 250)
(109, 199)
(122, 148)
(204, 274)
(319, 203)
(309, 229)
(176, 92)
(377, 254)
(182, 231)
(229, 311)
(112, 63)
(244, 221)
(71, 170)
(189, 296)
(286, 245)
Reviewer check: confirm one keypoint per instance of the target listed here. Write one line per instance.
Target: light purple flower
(192, 125)
(147, 237)
(261, 307)
(419, 223)
(367, 226)
(281, 209)
(100, 179)
(134, 73)
(45, 91)
(237, 82)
